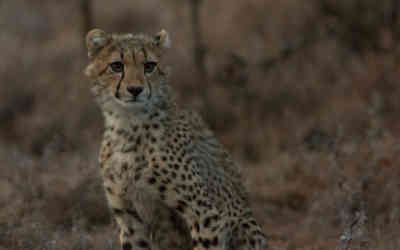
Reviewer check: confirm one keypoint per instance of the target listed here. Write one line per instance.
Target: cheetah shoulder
(207, 145)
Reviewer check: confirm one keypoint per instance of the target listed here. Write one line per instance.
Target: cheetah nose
(135, 91)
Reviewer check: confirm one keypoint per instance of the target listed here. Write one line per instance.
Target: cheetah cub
(169, 183)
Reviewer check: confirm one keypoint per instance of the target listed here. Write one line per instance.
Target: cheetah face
(126, 69)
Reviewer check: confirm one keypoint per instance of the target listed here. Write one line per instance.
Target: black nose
(135, 91)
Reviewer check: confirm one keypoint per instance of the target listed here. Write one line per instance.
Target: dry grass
(314, 81)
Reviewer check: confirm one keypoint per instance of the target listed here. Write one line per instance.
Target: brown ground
(304, 93)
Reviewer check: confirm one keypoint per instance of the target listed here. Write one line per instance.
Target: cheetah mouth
(132, 101)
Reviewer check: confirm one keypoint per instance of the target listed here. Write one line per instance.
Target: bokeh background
(305, 94)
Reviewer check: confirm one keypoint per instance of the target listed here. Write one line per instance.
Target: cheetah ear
(96, 39)
(162, 39)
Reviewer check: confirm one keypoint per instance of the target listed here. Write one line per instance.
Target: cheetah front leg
(146, 222)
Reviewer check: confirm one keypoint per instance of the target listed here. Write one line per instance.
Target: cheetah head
(126, 69)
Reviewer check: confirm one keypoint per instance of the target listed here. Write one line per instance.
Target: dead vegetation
(304, 93)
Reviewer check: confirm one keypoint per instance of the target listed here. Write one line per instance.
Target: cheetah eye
(149, 67)
(117, 67)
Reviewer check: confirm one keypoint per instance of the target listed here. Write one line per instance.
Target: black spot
(214, 228)
(126, 246)
(252, 243)
(253, 222)
(215, 217)
(142, 244)
(152, 180)
(131, 231)
(111, 177)
(156, 126)
(162, 189)
(118, 211)
(180, 208)
(138, 176)
(214, 241)
(173, 175)
(166, 181)
(124, 166)
(134, 214)
(197, 226)
(183, 203)
(207, 222)
(138, 140)
(109, 190)
(206, 243)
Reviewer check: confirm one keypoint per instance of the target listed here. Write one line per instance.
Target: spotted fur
(169, 183)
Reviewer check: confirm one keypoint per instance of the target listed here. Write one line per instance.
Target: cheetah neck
(124, 129)
(123, 120)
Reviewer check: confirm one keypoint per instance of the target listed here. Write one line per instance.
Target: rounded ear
(162, 39)
(96, 39)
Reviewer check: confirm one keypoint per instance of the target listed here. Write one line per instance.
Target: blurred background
(304, 94)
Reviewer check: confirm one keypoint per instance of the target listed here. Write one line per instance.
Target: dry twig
(87, 16)
(199, 48)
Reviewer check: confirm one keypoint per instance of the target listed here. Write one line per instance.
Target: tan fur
(169, 182)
